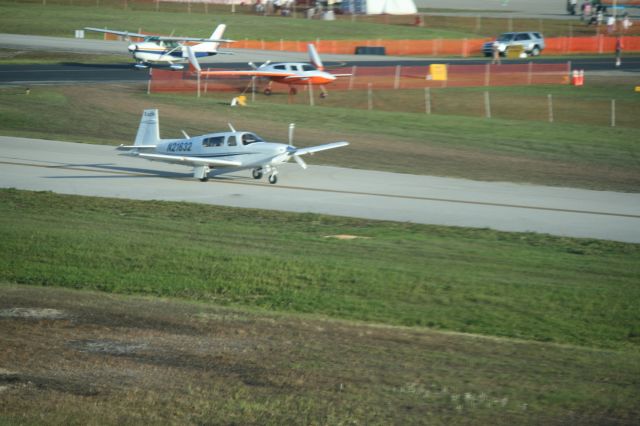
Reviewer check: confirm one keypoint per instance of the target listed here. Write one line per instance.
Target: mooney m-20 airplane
(227, 151)
(289, 73)
(169, 51)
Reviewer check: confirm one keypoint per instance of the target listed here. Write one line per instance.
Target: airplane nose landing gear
(273, 179)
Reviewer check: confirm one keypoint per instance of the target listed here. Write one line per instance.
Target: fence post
(352, 77)
(600, 44)
(530, 73)
(487, 104)
(613, 113)
(487, 74)
(253, 89)
(465, 48)
(396, 83)
(149, 82)
(427, 100)
(550, 104)
(310, 94)
(478, 23)
(370, 97)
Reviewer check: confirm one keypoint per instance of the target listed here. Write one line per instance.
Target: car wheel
(535, 51)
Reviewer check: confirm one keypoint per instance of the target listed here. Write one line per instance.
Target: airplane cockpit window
(307, 67)
(172, 44)
(231, 141)
(249, 138)
(213, 141)
(280, 67)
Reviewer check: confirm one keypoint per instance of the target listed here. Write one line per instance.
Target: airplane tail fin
(211, 46)
(194, 66)
(315, 58)
(149, 131)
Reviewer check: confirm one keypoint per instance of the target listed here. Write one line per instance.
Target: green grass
(513, 148)
(63, 19)
(198, 363)
(532, 287)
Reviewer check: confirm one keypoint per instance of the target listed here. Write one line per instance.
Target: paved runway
(97, 170)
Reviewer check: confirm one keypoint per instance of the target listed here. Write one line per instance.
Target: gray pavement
(99, 47)
(96, 170)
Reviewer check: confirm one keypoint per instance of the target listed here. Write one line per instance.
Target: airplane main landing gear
(267, 91)
(257, 173)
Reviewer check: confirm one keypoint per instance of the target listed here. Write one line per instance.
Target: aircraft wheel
(324, 95)
(267, 92)
(204, 179)
(273, 179)
(293, 91)
(256, 173)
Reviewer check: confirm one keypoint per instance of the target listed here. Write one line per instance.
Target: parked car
(532, 42)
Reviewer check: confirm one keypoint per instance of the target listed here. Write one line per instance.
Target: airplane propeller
(252, 65)
(292, 150)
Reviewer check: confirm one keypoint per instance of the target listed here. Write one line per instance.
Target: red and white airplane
(289, 73)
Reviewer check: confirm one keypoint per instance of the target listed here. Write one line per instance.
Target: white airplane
(168, 51)
(227, 151)
(290, 73)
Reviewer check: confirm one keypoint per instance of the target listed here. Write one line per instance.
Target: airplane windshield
(307, 67)
(249, 138)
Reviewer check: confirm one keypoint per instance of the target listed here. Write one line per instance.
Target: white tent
(379, 7)
(391, 7)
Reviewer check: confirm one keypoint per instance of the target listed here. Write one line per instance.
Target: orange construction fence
(443, 47)
(385, 77)
(436, 47)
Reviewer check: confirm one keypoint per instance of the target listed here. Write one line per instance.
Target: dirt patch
(33, 313)
(143, 360)
(346, 237)
(108, 347)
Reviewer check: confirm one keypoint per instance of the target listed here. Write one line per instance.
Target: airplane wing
(192, 161)
(132, 147)
(318, 148)
(248, 73)
(215, 40)
(159, 38)
(120, 33)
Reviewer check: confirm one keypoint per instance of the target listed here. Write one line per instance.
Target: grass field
(63, 17)
(579, 292)
(507, 149)
(559, 319)
(107, 359)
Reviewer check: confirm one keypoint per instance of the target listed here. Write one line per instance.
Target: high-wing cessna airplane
(290, 73)
(168, 51)
(227, 151)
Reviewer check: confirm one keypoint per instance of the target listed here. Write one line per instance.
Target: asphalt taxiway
(96, 170)
(125, 72)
